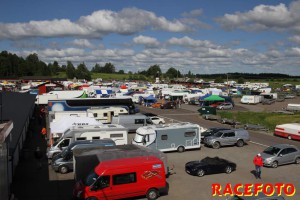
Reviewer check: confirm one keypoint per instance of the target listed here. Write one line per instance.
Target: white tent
(58, 128)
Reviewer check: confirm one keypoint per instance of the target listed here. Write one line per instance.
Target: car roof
(284, 146)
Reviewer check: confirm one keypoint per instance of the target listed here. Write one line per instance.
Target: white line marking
(259, 144)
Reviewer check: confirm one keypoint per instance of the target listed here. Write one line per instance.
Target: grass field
(269, 120)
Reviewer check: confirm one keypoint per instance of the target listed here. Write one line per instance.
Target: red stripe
(280, 129)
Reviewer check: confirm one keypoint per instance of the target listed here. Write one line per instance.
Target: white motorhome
(170, 137)
(117, 133)
(251, 99)
(290, 131)
(293, 107)
(105, 115)
(55, 116)
(132, 122)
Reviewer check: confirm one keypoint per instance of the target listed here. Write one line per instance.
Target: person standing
(258, 162)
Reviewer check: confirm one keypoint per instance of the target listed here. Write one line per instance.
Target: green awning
(214, 98)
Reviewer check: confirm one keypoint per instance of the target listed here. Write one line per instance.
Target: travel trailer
(117, 133)
(171, 137)
(290, 131)
(251, 99)
(132, 122)
(105, 115)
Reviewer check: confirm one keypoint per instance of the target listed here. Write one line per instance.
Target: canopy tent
(203, 97)
(214, 98)
(149, 100)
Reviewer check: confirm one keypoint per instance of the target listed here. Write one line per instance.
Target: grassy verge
(269, 120)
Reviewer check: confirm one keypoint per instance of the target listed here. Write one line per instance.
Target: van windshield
(138, 138)
(90, 179)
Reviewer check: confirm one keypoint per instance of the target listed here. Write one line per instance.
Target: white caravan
(105, 115)
(170, 137)
(251, 99)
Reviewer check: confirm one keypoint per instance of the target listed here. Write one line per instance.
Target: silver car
(280, 154)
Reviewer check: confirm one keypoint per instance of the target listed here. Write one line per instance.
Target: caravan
(132, 122)
(171, 137)
(105, 115)
(117, 133)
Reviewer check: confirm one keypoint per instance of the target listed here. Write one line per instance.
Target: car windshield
(272, 150)
(90, 179)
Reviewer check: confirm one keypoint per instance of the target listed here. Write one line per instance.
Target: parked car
(209, 165)
(225, 106)
(281, 154)
(211, 117)
(157, 120)
(216, 104)
(289, 96)
(236, 137)
(211, 131)
(256, 127)
(156, 105)
(168, 105)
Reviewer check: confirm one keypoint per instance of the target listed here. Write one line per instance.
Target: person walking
(44, 133)
(258, 162)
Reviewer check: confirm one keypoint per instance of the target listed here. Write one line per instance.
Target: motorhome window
(139, 121)
(190, 134)
(81, 138)
(96, 138)
(95, 115)
(64, 143)
(116, 135)
(104, 114)
(164, 137)
(124, 178)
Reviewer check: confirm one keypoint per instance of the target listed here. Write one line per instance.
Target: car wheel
(200, 173)
(160, 122)
(180, 149)
(63, 169)
(289, 137)
(152, 194)
(216, 145)
(92, 198)
(297, 161)
(240, 143)
(206, 117)
(275, 164)
(228, 169)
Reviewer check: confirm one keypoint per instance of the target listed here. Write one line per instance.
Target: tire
(274, 164)
(92, 198)
(289, 137)
(240, 143)
(152, 194)
(180, 149)
(228, 169)
(216, 145)
(297, 160)
(160, 123)
(200, 172)
(63, 169)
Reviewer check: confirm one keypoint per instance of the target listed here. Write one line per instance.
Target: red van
(124, 178)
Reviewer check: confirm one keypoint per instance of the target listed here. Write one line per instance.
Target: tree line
(13, 66)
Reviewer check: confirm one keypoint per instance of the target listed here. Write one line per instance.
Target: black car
(209, 165)
(211, 131)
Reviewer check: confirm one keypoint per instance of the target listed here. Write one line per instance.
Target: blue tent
(203, 97)
(148, 101)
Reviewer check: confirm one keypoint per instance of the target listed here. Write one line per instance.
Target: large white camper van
(105, 115)
(117, 133)
(169, 137)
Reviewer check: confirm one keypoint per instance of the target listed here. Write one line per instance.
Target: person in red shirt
(258, 162)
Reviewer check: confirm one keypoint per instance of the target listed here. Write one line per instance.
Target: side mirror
(280, 155)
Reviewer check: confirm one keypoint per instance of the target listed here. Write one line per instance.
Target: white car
(157, 120)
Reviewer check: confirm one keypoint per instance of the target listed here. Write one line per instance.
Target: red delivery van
(124, 178)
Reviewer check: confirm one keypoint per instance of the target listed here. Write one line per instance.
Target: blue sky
(204, 37)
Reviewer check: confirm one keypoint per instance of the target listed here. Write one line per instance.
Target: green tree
(172, 73)
(82, 72)
(109, 68)
(219, 80)
(121, 71)
(241, 80)
(154, 71)
(96, 68)
(70, 70)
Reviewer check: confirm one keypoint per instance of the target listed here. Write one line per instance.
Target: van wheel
(297, 161)
(152, 194)
(63, 169)
(240, 143)
(216, 145)
(275, 164)
(289, 137)
(180, 149)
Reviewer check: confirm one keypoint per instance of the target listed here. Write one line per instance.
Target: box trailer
(251, 99)
(293, 107)
(169, 137)
(86, 159)
(290, 131)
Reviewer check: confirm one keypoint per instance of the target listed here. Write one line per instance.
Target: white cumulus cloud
(145, 40)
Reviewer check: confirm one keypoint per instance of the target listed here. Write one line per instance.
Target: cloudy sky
(205, 37)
